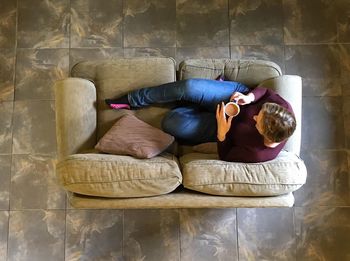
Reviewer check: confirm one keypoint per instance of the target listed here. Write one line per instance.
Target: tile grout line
(175, 45)
(229, 28)
(179, 231)
(123, 28)
(295, 234)
(283, 40)
(12, 123)
(69, 37)
(56, 156)
(123, 228)
(65, 233)
(237, 243)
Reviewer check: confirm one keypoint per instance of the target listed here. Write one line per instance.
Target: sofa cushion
(115, 77)
(248, 72)
(205, 173)
(107, 175)
(131, 136)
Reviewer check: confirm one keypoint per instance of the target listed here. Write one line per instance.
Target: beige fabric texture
(75, 116)
(114, 78)
(106, 175)
(249, 72)
(180, 199)
(131, 136)
(205, 173)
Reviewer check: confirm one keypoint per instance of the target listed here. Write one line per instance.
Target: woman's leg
(204, 92)
(190, 125)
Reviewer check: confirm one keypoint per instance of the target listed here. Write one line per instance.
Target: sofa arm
(290, 88)
(75, 116)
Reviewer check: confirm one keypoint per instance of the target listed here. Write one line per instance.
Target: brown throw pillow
(131, 136)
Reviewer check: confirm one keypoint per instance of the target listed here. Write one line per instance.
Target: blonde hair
(278, 123)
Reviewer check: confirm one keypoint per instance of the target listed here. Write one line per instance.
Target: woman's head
(275, 122)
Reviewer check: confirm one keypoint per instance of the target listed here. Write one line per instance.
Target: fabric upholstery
(106, 175)
(251, 73)
(114, 78)
(131, 136)
(75, 116)
(181, 199)
(80, 125)
(205, 173)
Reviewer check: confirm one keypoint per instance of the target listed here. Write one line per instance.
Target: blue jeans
(195, 123)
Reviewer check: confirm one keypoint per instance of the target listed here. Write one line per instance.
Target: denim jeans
(195, 123)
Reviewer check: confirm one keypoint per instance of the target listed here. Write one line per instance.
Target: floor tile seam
(311, 206)
(36, 209)
(296, 238)
(65, 232)
(123, 229)
(229, 29)
(179, 233)
(325, 149)
(237, 238)
(12, 132)
(123, 28)
(34, 100)
(315, 43)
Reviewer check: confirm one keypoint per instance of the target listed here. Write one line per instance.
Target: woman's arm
(223, 124)
(253, 96)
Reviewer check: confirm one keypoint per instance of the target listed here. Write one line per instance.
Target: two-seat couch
(179, 177)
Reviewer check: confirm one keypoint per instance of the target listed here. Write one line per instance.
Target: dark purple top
(243, 142)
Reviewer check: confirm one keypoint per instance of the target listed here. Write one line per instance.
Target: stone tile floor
(41, 40)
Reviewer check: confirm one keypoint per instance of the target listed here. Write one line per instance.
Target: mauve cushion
(131, 136)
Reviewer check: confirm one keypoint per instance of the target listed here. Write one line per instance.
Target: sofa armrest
(290, 88)
(75, 116)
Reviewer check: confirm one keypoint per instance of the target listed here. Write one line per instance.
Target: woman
(257, 134)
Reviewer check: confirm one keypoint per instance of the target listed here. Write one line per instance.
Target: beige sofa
(179, 177)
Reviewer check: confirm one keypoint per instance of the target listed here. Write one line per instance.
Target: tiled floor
(40, 40)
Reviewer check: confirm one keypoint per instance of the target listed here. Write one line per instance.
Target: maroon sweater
(243, 142)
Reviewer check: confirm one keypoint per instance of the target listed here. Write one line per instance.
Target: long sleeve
(243, 142)
(258, 93)
(246, 153)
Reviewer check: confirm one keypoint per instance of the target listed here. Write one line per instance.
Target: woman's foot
(118, 106)
(120, 103)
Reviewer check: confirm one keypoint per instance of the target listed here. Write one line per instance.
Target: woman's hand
(242, 99)
(224, 124)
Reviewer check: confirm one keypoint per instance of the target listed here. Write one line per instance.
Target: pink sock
(118, 106)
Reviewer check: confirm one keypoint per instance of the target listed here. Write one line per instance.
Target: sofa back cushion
(114, 78)
(251, 72)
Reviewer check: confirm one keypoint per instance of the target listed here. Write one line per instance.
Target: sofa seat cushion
(106, 175)
(205, 173)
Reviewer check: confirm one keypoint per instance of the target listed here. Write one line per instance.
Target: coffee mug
(232, 109)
